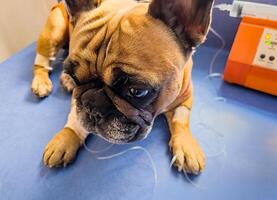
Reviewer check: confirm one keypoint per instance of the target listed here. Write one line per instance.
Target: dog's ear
(76, 7)
(189, 19)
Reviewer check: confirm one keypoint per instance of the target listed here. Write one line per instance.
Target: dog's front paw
(187, 154)
(62, 149)
(67, 82)
(42, 85)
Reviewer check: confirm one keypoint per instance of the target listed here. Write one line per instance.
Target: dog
(129, 61)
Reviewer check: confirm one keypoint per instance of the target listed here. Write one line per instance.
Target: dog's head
(129, 61)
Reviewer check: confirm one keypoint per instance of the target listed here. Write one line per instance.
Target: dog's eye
(137, 93)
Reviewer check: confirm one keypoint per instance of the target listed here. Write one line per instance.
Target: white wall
(20, 23)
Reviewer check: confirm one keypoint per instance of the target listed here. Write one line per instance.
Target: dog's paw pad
(42, 86)
(67, 82)
(187, 155)
(62, 149)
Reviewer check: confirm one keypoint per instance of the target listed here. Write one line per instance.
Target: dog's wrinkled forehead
(91, 35)
(137, 36)
(142, 47)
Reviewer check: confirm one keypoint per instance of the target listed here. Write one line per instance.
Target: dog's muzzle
(108, 115)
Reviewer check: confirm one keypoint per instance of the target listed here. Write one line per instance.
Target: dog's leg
(63, 147)
(52, 38)
(186, 151)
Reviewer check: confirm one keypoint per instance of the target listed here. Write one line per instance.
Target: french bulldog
(129, 61)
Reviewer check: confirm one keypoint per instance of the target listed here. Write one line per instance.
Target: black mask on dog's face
(117, 113)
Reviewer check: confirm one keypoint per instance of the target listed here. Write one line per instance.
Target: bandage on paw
(44, 61)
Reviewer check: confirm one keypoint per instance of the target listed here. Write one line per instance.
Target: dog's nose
(98, 102)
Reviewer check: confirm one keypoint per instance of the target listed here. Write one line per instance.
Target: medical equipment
(253, 58)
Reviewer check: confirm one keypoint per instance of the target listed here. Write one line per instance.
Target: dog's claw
(173, 161)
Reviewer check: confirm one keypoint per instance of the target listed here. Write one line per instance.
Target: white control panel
(266, 55)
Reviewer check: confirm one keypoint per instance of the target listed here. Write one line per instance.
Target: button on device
(262, 56)
(271, 58)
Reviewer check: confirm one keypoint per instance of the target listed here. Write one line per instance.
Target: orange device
(253, 58)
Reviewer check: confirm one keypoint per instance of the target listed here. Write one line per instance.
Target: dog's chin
(114, 129)
(119, 137)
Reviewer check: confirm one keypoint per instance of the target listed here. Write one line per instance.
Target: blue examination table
(236, 127)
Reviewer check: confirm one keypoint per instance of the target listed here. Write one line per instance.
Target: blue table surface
(236, 127)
